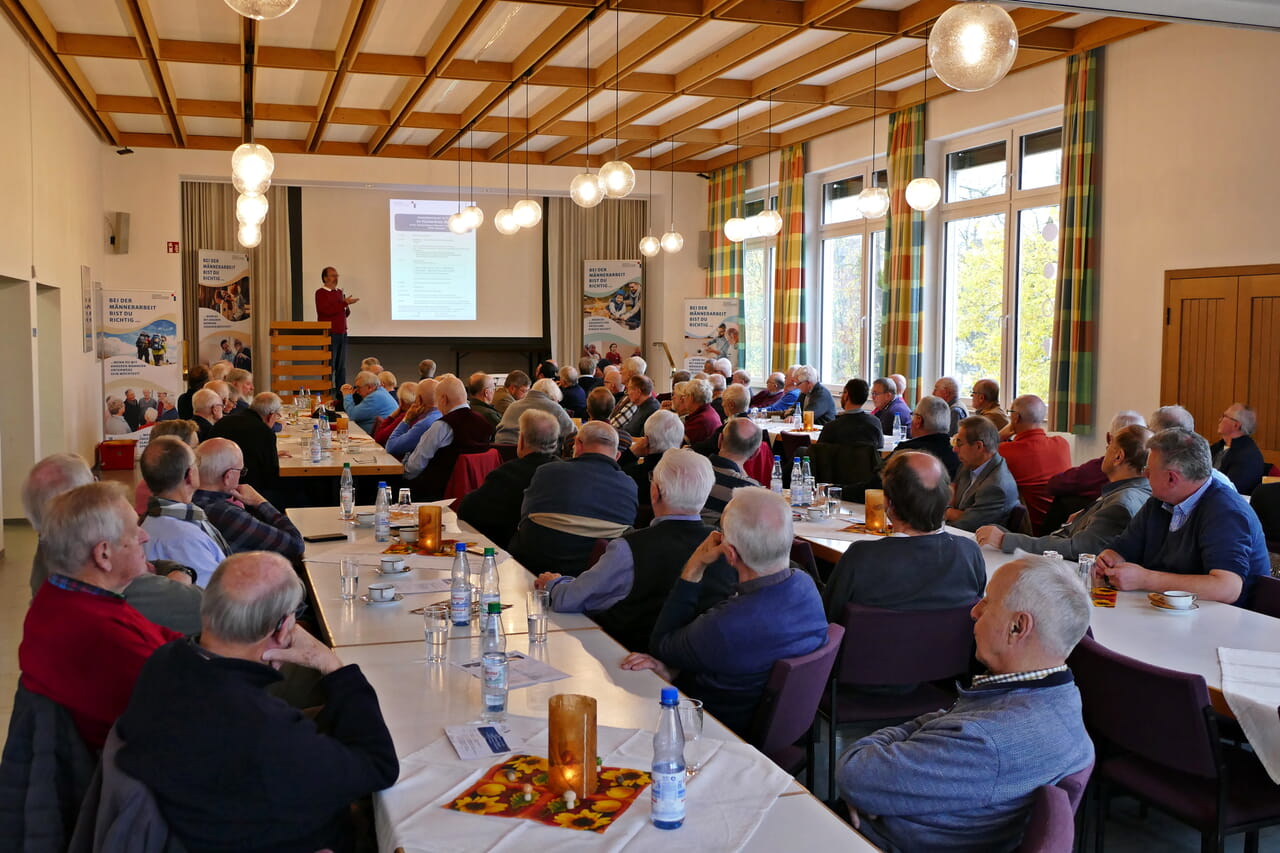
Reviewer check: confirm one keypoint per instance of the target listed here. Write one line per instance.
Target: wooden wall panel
(1259, 376)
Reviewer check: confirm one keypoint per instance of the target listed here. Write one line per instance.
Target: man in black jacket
(814, 397)
(854, 426)
(251, 428)
(494, 508)
(930, 423)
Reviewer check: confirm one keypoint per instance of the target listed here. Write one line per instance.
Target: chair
(1266, 596)
(507, 451)
(469, 472)
(597, 551)
(789, 706)
(1019, 520)
(802, 556)
(120, 814)
(855, 467)
(789, 444)
(895, 648)
(1265, 501)
(1161, 745)
(1051, 827)
(760, 466)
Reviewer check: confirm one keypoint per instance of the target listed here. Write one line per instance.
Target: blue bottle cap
(382, 484)
(670, 696)
(460, 546)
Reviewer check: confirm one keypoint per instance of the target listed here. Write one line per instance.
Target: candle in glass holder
(874, 501)
(429, 528)
(571, 744)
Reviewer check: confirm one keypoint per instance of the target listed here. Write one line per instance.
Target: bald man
(1034, 456)
(200, 716)
(418, 418)
(459, 430)
(246, 520)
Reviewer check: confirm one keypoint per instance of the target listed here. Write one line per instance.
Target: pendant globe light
(649, 244)
(768, 223)
(924, 193)
(874, 201)
(472, 216)
(249, 234)
(252, 166)
(735, 227)
(261, 10)
(455, 223)
(251, 208)
(528, 212)
(672, 240)
(505, 220)
(617, 177)
(585, 189)
(973, 45)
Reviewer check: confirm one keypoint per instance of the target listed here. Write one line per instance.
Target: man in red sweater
(334, 307)
(1033, 456)
(82, 644)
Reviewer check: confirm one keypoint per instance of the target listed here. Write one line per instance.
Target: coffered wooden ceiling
(696, 83)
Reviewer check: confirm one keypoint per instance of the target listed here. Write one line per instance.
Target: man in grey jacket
(984, 491)
(1093, 529)
(962, 779)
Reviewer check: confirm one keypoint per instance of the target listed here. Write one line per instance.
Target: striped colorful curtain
(904, 275)
(790, 344)
(1072, 361)
(724, 201)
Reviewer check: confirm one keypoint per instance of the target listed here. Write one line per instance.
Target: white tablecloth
(1251, 686)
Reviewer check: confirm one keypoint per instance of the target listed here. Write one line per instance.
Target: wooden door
(1200, 347)
(1258, 357)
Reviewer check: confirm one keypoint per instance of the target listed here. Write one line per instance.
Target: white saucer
(403, 571)
(1181, 611)
(367, 600)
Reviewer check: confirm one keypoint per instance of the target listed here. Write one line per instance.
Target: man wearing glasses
(243, 516)
(1237, 454)
(889, 407)
(986, 402)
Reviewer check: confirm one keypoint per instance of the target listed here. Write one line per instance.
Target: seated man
(545, 396)
(516, 386)
(1236, 454)
(418, 418)
(677, 376)
(929, 424)
(590, 376)
(613, 380)
(852, 425)
(573, 398)
(734, 403)
(724, 656)
(599, 407)
(1078, 487)
(51, 476)
(494, 507)
(252, 430)
(568, 507)
(375, 401)
(426, 369)
(1096, 527)
(774, 388)
(931, 784)
(459, 430)
(82, 643)
(1033, 456)
(790, 391)
(480, 390)
(116, 424)
(889, 407)
(700, 420)
(383, 428)
(920, 567)
(740, 377)
(201, 717)
(985, 400)
(1194, 533)
(814, 396)
(638, 404)
(207, 411)
(177, 529)
(244, 518)
(984, 491)
(662, 432)
(739, 441)
(626, 587)
(948, 391)
(718, 384)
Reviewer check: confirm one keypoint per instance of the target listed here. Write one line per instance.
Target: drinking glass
(820, 497)
(835, 494)
(349, 574)
(539, 603)
(435, 627)
(691, 722)
(406, 500)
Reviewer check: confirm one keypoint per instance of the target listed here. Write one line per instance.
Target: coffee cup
(364, 519)
(817, 513)
(381, 591)
(392, 564)
(1179, 599)
(409, 535)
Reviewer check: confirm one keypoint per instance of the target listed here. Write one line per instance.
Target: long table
(366, 456)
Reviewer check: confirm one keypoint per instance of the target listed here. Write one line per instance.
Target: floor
(1126, 831)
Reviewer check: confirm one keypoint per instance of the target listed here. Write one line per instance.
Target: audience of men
(662, 432)
(790, 391)
(418, 418)
(734, 403)
(458, 430)
(426, 369)
(985, 399)
(1078, 487)
(384, 427)
(929, 424)
(624, 590)
(600, 407)
(633, 411)
(947, 390)
(920, 567)
(206, 408)
(724, 656)
(964, 778)
(1096, 527)
(889, 407)
(853, 425)
(1194, 533)
(739, 442)
(252, 429)
(513, 388)
(984, 490)
(573, 398)
(545, 396)
(567, 507)
(494, 507)
(700, 420)
(1033, 456)
(246, 520)
(82, 643)
(177, 529)
(480, 390)
(814, 396)
(1236, 454)
(233, 768)
(375, 401)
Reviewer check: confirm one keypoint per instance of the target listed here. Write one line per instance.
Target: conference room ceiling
(688, 84)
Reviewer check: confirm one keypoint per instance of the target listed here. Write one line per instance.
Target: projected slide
(433, 270)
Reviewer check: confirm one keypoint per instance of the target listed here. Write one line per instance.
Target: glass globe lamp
(249, 235)
(923, 194)
(251, 168)
(873, 202)
(585, 190)
(973, 45)
(736, 230)
(528, 213)
(617, 178)
(262, 10)
(456, 223)
(649, 246)
(505, 221)
(472, 217)
(672, 241)
(251, 208)
(768, 223)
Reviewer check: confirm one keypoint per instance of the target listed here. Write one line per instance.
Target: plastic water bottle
(315, 443)
(476, 579)
(494, 662)
(382, 514)
(326, 437)
(797, 419)
(489, 591)
(668, 764)
(775, 479)
(460, 587)
(347, 492)
(899, 429)
(797, 482)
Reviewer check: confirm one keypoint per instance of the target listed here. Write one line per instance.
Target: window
(757, 308)
(999, 259)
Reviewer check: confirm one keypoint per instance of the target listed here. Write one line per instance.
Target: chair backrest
(1159, 714)
(597, 551)
(791, 696)
(1051, 827)
(1265, 501)
(469, 472)
(1075, 784)
(802, 556)
(847, 465)
(760, 466)
(1019, 520)
(1266, 596)
(507, 451)
(888, 647)
(120, 813)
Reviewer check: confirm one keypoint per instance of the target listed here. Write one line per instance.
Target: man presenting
(334, 307)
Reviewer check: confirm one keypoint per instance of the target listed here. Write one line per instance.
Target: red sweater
(1033, 457)
(85, 651)
(701, 425)
(383, 433)
(331, 307)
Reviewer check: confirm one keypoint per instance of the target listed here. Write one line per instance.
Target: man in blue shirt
(790, 391)
(1194, 533)
(375, 401)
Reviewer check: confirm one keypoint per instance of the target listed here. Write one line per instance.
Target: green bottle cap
(495, 607)
(489, 552)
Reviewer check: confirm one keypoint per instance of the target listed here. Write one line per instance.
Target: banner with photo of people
(141, 354)
(712, 329)
(224, 308)
(612, 310)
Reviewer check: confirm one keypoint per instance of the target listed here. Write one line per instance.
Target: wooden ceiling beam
(815, 62)
(389, 64)
(780, 12)
(350, 40)
(1108, 30)
(138, 13)
(296, 58)
(106, 47)
(130, 104)
(202, 52)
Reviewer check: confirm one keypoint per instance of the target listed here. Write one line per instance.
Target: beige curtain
(209, 222)
(608, 232)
